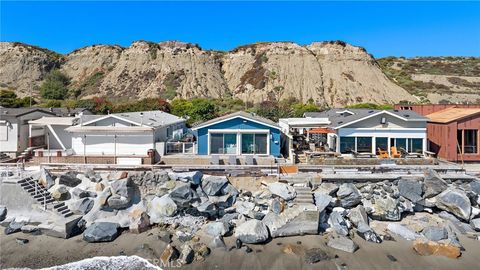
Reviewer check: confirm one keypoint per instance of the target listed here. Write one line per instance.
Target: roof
(343, 117)
(108, 129)
(451, 114)
(247, 116)
(69, 111)
(16, 112)
(301, 121)
(145, 118)
(56, 121)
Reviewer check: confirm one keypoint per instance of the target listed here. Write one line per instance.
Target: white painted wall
(103, 144)
(11, 144)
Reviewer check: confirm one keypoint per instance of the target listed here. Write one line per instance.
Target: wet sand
(44, 251)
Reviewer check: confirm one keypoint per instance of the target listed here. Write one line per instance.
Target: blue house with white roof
(239, 133)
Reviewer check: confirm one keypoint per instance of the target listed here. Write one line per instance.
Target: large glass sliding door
(347, 144)
(255, 143)
(364, 144)
(223, 143)
(382, 144)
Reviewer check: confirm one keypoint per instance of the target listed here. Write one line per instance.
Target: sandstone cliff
(330, 73)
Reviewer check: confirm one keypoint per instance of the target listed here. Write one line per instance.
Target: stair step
(47, 201)
(60, 209)
(58, 205)
(64, 211)
(68, 214)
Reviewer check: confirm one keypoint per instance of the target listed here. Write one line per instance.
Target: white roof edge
(235, 116)
(378, 113)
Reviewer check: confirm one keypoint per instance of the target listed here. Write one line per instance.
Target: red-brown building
(452, 131)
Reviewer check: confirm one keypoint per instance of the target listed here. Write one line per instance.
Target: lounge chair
(214, 160)
(382, 153)
(405, 154)
(232, 160)
(362, 155)
(394, 152)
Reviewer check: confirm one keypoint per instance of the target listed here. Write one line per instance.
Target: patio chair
(382, 153)
(362, 155)
(232, 160)
(214, 160)
(249, 160)
(394, 152)
(405, 154)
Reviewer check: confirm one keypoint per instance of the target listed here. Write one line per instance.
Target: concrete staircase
(42, 196)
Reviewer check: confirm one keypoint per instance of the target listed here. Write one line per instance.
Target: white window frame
(239, 133)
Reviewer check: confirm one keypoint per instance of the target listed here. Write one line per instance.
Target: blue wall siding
(238, 123)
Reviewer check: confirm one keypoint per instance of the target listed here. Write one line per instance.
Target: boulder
(14, 226)
(338, 223)
(187, 255)
(426, 248)
(139, 221)
(69, 179)
(3, 212)
(410, 189)
(101, 232)
(46, 179)
(402, 231)
(433, 183)
(99, 187)
(161, 207)
(216, 228)
(80, 193)
(194, 177)
(367, 233)
(81, 206)
(357, 215)
(322, 200)
(475, 186)
(251, 232)
(217, 242)
(122, 187)
(456, 202)
(277, 206)
(348, 195)
(244, 207)
(59, 192)
(327, 189)
(169, 255)
(315, 255)
(282, 190)
(183, 195)
(208, 208)
(342, 243)
(386, 208)
(475, 223)
(31, 229)
(104, 195)
(435, 233)
(212, 185)
(118, 202)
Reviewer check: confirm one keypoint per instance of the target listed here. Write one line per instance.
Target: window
(471, 141)
(230, 143)
(254, 143)
(364, 144)
(459, 141)
(415, 145)
(3, 132)
(216, 143)
(382, 143)
(347, 144)
(401, 143)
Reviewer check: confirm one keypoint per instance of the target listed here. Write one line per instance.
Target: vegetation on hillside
(55, 86)
(9, 99)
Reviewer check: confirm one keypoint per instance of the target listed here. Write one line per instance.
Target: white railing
(188, 148)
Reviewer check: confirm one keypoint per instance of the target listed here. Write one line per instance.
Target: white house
(367, 131)
(14, 128)
(125, 136)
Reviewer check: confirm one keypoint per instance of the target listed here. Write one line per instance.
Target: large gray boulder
(118, 202)
(252, 231)
(367, 233)
(338, 223)
(101, 232)
(456, 202)
(402, 231)
(357, 215)
(475, 186)
(80, 193)
(342, 243)
(216, 228)
(217, 242)
(69, 179)
(327, 188)
(3, 212)
(244, 207)
(212, 185)
(81, 206)
(410, 189)
(208, 208)
(348, 195)
(282, 190)
(122, 187)
(161, 207)
(194, 177)
(59, 192)
(435, 233)
(475, 223)
(322, 200)
(433, 183)
(183, 195)
(386, 208)
(14, 226)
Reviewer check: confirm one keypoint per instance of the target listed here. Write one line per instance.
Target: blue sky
(383, 28)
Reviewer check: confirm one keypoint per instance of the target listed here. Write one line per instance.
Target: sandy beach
(44, 251)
